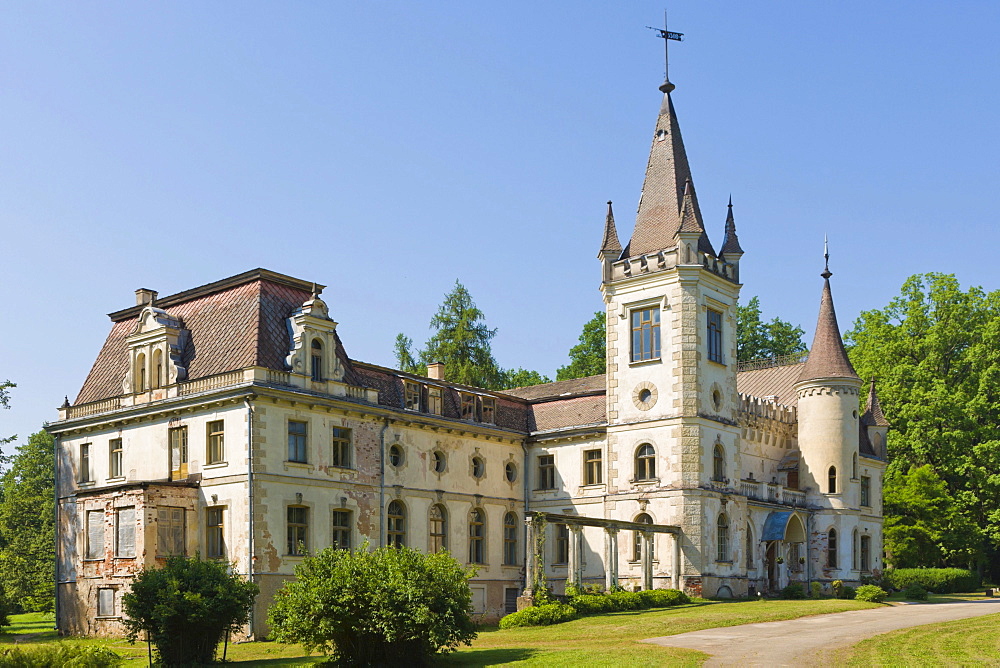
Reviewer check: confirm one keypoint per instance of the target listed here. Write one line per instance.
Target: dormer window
(140, 373)
(317, 360)
(155, 349)
(412, 395)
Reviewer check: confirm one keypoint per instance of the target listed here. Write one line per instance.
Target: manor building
(230, 421)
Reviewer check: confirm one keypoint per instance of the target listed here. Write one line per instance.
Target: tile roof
(731, 244)
(775, 381)
(576, 411)
(610, 243)
(560, 388)
(827, 357)
(873, 415)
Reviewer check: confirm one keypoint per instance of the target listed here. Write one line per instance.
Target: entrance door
(772, 565)
(178, 453)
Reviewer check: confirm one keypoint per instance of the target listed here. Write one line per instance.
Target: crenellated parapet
(764, 420)
(670, 258)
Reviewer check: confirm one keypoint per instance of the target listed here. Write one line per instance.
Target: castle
(229, 420)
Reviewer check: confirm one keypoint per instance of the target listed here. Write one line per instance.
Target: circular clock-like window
(510, 471)
(644, 396)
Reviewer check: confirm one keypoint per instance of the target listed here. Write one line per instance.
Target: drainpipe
(381, 484)
(524, 527)
(55, 507)
(250, 573)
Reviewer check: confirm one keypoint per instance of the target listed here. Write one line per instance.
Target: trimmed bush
(57, 655)
(837, 587)
(915, 593)
(389, 606)
(663, 598)
(848, 592)
(539, 615)
(626, 600)
(870, 593)
(589, 604)
(794, 591)
(937, 580)
(586, 604)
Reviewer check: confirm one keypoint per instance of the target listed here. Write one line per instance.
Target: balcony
(772, 492)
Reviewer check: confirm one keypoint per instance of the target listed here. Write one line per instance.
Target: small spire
(731, 243)
(873, 415)
(65, 403)
(610, 244)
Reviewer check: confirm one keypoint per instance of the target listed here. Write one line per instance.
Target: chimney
(144, 296)
(435, 370)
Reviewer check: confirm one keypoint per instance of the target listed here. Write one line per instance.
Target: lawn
(963, 642)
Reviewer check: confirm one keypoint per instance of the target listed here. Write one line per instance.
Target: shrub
(539, 615)
(573, 590)
(837, 586)
(915, 593)
(186, 608)
(663, 598)
(815, 589)
(794, 591)
(937, 580)
(870, 593)
(58, 655)
(625, 600)
(588, 604)
(848, 592)
(389, 606)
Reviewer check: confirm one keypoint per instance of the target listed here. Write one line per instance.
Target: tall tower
(671, 346)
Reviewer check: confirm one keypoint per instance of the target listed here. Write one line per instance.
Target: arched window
(140, 372)
(510, 539)
(877, 444)
(719, 464)
(439, 528)
(831, 484)
(831, 548)
(317, 360)
(854, 466)
(637, 538)
(157, 369)
(396, 526)
(749, 547)
(645, 462)
(477, 533)
(722, 538)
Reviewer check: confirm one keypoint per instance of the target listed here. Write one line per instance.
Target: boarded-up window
(169, 531)
(95, 534)
(125, 532)
(106, 602)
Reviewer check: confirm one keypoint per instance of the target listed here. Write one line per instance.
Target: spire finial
(730, 200)
(826, 259)
(667, 35)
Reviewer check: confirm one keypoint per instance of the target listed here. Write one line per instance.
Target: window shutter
(126, 532)
(95, 534)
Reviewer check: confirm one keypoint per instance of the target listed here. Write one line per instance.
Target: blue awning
(775, 525)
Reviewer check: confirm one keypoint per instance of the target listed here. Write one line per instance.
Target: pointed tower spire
(610, 246)
(731, 244)
(873, 415)
(827, 357)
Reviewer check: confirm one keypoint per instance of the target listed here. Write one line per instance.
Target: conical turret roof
(827, 357)
(731, 244)
(873, 415)
(610, 244)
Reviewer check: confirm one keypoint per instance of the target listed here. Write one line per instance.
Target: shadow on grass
(486, 657)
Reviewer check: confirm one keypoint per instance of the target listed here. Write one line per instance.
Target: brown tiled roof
(578, 411)
(560, 388)
(659, 215)
(776, 381)
(610, 243)
(233, 323)
(827, 357)
(731, 244)
(873, 415)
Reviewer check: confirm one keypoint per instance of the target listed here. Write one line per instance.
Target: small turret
(611, 248)
(731, 251)
(874, 427)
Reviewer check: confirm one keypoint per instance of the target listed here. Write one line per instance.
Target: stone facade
(228, 420)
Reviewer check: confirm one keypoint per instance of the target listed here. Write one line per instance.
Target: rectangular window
(468, 407)
(105, 602)
(866, 491)
(170, 531)
(95, 534)
(489, 410)
(115, 458)
(411, 395)
(215, 536)
(342, 529)
(562, 544)
(592, 462)
(435, 404)
(178, 453)
(715, 336)
(296, 441)
(645, 334)
(125, 532)
(341, 455)
(866, 553)
(298, 527)
(85, 475)
(215, 439)
(547, 472)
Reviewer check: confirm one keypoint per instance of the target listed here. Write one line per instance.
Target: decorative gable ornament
(155, 348)
(313, 341)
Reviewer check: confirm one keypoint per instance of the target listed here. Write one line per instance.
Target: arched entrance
(784, 535)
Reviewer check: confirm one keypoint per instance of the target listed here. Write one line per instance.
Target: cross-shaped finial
(826, 259)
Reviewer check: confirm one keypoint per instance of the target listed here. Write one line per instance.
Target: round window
(645, 395)
(439, 461)
(478, 467)
(396, 456)
(510, 471)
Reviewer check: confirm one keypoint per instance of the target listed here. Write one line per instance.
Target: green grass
(963, 642)
(897, 597)
(611, 639)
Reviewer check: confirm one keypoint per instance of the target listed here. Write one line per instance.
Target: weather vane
(667, 35)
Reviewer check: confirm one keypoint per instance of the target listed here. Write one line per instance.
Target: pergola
(611, 528)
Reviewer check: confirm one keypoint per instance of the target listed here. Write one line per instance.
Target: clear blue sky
(387, 148)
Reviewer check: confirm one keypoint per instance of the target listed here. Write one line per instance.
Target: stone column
(610, 557)
(647, 560)
(573, 576)
(677, 561)
(530, 556)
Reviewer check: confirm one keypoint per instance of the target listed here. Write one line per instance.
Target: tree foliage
(389, 606)
(5, 386)
(461, 340)
(27, 526)
(756, 339)
(187, 608)
(935, 350)
(589, 356)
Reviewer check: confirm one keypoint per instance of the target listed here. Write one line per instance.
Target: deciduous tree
(589, 356)
(756, 339)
